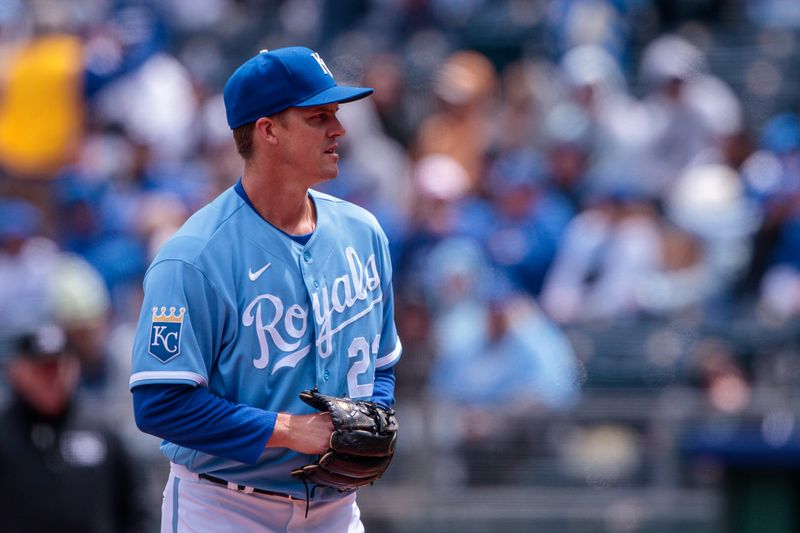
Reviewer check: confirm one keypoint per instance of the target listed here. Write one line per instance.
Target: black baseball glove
(362, 443)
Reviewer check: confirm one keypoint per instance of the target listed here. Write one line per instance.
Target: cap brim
(336, 95)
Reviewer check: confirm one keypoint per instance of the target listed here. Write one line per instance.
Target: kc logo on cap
(275, 80)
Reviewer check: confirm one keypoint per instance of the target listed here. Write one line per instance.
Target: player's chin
(330, 172)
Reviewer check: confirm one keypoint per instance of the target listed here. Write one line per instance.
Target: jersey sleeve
(383, 391)
(194, 418)
(390, 348)
(179, 328)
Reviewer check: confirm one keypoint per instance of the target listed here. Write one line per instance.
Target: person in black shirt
(58, 470)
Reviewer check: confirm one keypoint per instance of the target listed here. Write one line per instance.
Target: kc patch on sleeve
(165, 333)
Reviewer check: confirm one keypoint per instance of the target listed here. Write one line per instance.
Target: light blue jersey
(233, 304)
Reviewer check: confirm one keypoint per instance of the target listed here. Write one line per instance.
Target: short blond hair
(243, 137)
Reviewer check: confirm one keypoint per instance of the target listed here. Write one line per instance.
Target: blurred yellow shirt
(41, 106)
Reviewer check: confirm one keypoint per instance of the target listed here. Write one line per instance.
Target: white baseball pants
(193, 505)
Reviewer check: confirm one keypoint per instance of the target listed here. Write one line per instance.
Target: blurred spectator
(589, 22)
(81, 306)
(506, 355)
(59, 470)
(384, 72)
(498, 360)
(100, 236)
(160, 106)
(689, 110)
(39, 282)
(720, 373)
(710, 202)
(440, 184)
(597, 134)
(414, 326)
(465, 87)
(606, 252)
(623, 257)
(27, 263)
(529, 88)
(772, 177)
(522, 220)
(494, 348)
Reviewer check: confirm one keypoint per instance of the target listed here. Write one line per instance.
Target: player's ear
(265, 130)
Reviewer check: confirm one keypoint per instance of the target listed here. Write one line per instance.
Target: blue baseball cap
(278, 79)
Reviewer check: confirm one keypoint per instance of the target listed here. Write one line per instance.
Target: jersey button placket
(307, 258)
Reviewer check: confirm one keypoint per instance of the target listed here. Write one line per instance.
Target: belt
(246, 489)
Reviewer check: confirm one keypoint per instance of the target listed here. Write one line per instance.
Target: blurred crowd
(539, 167)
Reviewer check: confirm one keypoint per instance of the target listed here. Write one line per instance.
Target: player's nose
(337, 130)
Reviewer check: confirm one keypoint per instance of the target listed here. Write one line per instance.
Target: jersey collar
(302, 240)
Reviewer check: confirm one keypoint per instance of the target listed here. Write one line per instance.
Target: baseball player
(268, 303)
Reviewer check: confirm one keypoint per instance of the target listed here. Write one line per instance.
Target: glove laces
(309, 495)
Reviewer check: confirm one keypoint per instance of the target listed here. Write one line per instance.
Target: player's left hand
(361, 446)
